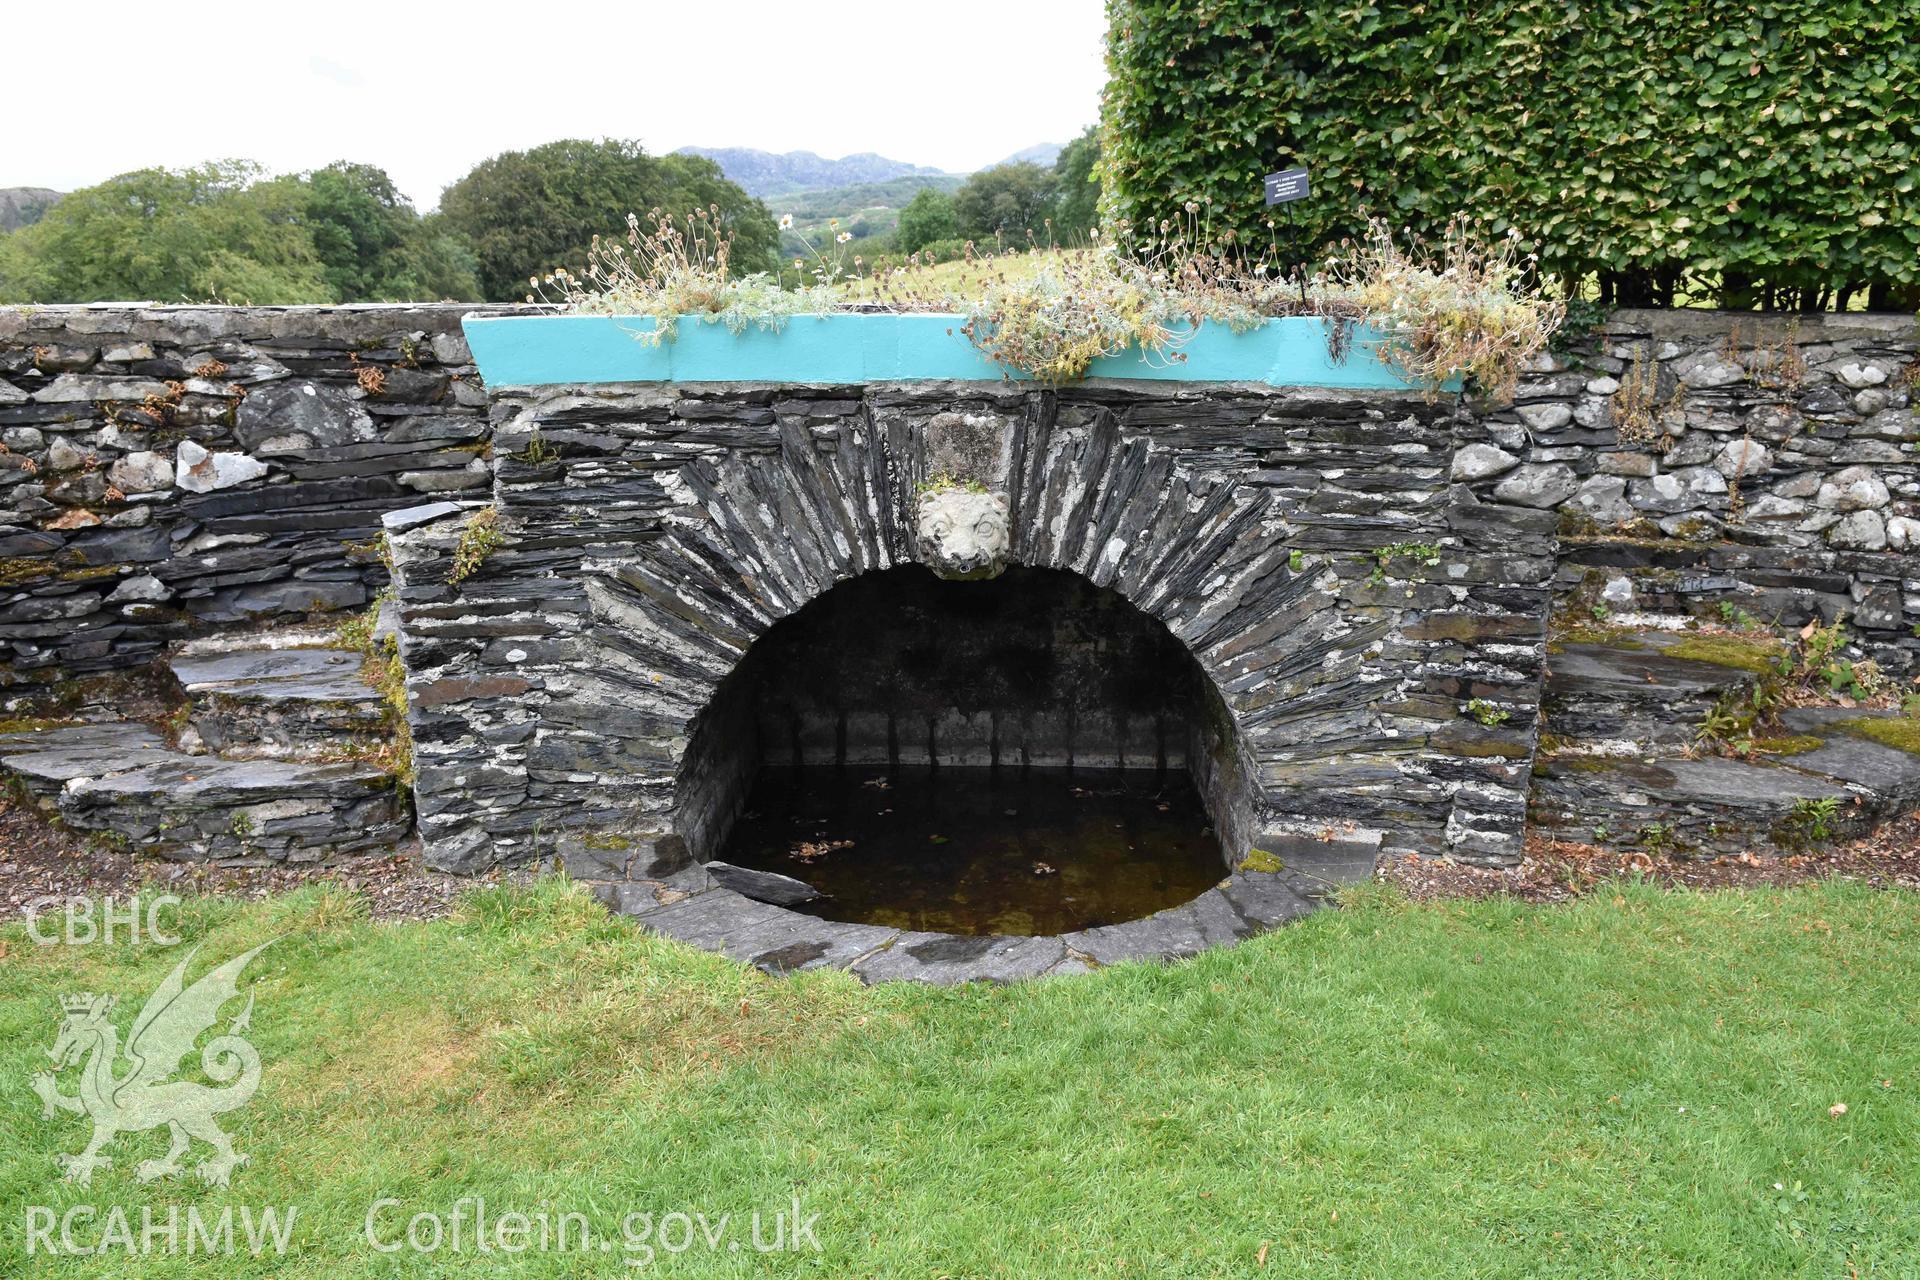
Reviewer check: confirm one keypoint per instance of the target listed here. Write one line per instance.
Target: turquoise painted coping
(537, 351)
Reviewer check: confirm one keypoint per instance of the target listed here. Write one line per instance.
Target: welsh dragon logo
(143, 1095)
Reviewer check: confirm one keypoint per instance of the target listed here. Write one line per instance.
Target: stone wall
(1365, 579)
(168, 470)
(1699, 459)
(1374, 633)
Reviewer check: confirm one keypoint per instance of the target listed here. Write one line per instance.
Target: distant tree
(926, 218)
(373, 246)
(19, 271)
(527, 212)
(1077, 210)
(1008, 200)
(218, 231)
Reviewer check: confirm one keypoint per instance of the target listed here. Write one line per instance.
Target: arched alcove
(1030, 754)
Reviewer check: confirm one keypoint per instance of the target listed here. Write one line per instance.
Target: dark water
(979, 851)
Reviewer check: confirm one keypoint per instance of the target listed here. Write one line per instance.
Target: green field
(1639, 1084)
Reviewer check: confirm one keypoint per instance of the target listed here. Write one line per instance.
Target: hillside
(765, 173)
(866, 209)
(1041, 153)
(22, 206)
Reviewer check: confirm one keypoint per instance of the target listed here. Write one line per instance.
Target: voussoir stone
(1538, 485)
(1479, 460)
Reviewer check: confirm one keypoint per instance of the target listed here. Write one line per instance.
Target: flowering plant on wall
(1467, 311)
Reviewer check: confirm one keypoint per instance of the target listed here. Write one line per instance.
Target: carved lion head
(963, 534)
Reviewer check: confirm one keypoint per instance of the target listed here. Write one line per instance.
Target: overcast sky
(427, 90)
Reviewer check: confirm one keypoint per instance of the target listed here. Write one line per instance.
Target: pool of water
(981, 851)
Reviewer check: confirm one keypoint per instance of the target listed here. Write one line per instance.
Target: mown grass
(1638, 1084)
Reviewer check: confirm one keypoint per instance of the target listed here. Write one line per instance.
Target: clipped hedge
(1767, 151)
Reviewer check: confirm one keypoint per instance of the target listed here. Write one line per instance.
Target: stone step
(279, 703)
(1633, 692)
(121, 782)
(1845, 786)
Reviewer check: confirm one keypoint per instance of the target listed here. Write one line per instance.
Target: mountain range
(768, 173)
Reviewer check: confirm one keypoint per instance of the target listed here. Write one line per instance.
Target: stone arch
(755, 535)
(1343, 599)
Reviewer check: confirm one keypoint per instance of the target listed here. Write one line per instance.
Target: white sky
(427, 90)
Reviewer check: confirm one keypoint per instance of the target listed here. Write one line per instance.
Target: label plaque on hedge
(1288, 184)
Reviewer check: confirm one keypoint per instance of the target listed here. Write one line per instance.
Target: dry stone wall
(1697, 460)
(171, 470)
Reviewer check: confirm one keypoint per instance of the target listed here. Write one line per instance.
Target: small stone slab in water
(764, 886)
(944, 959)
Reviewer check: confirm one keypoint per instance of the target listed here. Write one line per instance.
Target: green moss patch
(1744, 653)
(1261, 860)
(1902, 733)
(1791, 744)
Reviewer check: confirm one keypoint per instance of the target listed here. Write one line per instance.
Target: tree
(215, 232)
(1010, 201)
(527, 212)
(1077, 208)
(926, 218)
(374, 247)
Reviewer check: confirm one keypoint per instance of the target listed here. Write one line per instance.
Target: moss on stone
(1261, 860)
(1790, 744)
(90, 572)
(1902, 733)
(606, 840)
(31, 724)
(1583, 764)
(18, 569)
(1743, 653)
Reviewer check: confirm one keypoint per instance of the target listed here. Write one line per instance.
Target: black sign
(1288, 184)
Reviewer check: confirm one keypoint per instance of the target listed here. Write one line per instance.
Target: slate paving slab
(120, 780)
(943, 959)
(286, 702)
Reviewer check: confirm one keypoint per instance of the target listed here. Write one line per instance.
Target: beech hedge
(1759, 154)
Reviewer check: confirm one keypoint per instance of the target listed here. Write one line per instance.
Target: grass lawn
(1638, 1084)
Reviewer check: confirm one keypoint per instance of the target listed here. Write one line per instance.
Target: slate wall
(1701, 460)
(174, 470)
(170, 470)
(1375, 633)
